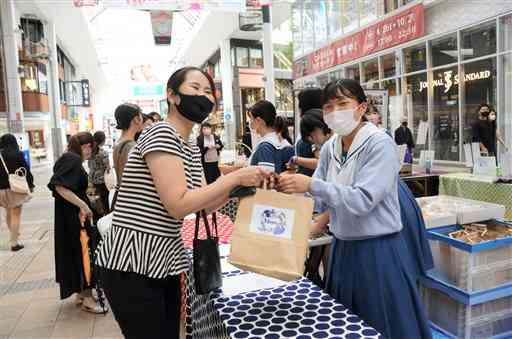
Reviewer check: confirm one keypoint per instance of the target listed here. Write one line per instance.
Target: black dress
(69, 273)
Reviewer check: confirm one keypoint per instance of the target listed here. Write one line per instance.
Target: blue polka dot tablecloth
(298, 310)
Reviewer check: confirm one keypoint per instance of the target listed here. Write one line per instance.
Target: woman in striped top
(143, 254)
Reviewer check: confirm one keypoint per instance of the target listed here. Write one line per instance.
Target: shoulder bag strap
(3, 163)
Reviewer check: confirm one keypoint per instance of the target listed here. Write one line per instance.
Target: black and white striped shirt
(144, 238)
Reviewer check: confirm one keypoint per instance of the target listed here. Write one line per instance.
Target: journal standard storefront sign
(405, 26)
(449, 80)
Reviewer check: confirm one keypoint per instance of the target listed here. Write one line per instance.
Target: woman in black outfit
(72, 211)
(210, 146)
(11, 201)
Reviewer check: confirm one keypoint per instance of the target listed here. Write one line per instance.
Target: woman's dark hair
(155, 116)
(178, 78)
(310, 98)
(312, 121)
(8, 142)
(345, 87)
(266, 111)
(124, 115)
(203, 125)
(99, 138)
(281, 127)
(146, 117)
(76, 141)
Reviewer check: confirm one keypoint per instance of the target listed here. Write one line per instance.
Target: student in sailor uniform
(356, 185)
(271, 152)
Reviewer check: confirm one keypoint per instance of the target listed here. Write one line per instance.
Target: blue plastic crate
(468, 315)
(471, 268)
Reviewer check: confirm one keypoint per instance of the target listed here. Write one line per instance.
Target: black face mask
(485, 114)
(195, 108)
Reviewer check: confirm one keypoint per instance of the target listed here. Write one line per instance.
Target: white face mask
(342, 122)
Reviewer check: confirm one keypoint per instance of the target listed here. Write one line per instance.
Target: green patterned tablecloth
(468, 186)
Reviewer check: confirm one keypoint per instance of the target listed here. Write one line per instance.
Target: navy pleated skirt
(373, 278)
(414, 232)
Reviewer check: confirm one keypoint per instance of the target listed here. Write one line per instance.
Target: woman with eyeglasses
(355, 184)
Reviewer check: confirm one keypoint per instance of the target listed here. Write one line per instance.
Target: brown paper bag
(271, 234)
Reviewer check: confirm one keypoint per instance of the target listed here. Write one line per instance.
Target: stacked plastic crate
(469, 292)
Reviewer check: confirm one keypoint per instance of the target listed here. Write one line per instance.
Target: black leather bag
(207, 271)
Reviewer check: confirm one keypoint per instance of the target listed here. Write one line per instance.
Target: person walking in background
(99, 164)
(247, 141)
(484, 132)
(271, 152)
(314, 130)
(403, 136)
(210, 146)
(72, 213)
(130, 120)
(281, 126)
(310, 100)
(12, 160)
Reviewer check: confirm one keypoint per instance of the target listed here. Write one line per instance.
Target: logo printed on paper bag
(271, 221)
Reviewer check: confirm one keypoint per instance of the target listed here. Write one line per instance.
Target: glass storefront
(445, 114)
(315, 22)
(416, 104)
(442, 81)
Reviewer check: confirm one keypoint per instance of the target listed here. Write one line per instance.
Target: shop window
(256, 57)
(416, 104)
(388, 65)
(336, 75)
(32, 29)
(284, 95)
(352, 72)
(297, 29)
(479, 88)
(506, 33)
(415, 58)
(29, 79)
(350, 15)
(334, 19)
(479, 41)
(445, 114)
(505, 109)
(320, 23)
(444, 50)
(368, 11)
(371, 70)
(42, 78)
(308, 33)
(242, 57)
(322, 80)
(394, 110)
(390, 5)
(283, 56)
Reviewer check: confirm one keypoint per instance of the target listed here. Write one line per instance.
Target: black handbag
(207, 271)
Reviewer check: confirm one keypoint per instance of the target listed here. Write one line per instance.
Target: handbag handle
(206, 224)
(22, 172)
